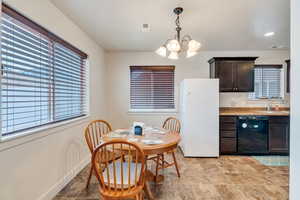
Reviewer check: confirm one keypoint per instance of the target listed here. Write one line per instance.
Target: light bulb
(173, 55)
(269, 34)
(173, 45)
(162, 51)
(194, 45)
(190, 53)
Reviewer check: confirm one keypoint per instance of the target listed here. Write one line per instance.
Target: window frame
(54, 39)
(153, 110)
(282, 83)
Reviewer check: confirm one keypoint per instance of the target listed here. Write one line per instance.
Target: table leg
(151, 177)
(148, 191)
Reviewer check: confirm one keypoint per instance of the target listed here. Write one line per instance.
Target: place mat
(155, 130)
(116, 135)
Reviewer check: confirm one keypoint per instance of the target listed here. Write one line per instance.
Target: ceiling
(218, 24)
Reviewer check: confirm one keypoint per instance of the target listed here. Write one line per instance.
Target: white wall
(36, 166)
(196, 67)
(295, 102)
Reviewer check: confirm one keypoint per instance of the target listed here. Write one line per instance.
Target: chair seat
(134, 169)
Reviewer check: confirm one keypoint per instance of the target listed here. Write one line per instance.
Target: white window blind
(42, 80)
(152, 87)
(267, 82)
(69, 84)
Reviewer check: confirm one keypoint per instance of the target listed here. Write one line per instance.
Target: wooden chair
(93, 134)
(171, 124)
(124, 176)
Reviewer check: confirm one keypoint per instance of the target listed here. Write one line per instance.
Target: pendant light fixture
(176, 46)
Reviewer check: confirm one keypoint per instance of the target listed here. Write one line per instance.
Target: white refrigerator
(199, 116)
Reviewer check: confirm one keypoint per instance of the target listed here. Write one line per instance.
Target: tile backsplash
(241, 100)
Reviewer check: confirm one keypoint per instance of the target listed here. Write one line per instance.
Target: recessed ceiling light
(274, 47)
(269, 34)
(145, 28)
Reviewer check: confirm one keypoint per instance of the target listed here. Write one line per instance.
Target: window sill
(7, 142)
(152, 111)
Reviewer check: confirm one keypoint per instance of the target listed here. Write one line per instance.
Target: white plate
(151, 142)
(132, 139)
(116, 135)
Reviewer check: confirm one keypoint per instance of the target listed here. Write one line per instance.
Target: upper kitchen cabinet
(236, 74)
(288, 75)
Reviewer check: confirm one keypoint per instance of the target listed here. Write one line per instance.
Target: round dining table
(168, 141)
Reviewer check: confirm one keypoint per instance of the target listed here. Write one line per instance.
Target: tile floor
(224, 178)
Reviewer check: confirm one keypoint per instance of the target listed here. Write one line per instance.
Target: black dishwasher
(253, 135)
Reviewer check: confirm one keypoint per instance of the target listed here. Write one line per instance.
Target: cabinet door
(225, 72)
(288, 74)
(228, 145)
(244, 80)
(279, 135)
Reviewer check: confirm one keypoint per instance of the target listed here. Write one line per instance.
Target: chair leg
(175, 162)
(139, 196)
(142, 195)
(89, 178)
(157, 166)
(163, 161)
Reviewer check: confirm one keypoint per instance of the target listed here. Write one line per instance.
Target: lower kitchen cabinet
(228, 146)
(279, 135)
(228, 135)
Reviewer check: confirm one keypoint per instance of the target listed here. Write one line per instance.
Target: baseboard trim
(57, 187)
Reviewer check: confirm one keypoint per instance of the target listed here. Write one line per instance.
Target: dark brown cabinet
(279, 134)
(236, 74)
(288, 75)
(228, 140)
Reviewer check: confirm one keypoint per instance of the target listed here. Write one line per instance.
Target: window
(152, 87)
(268, 82)
(43, 77)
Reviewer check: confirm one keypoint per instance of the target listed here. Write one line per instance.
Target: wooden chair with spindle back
(124, 176)
(93, 134)
(171, 124)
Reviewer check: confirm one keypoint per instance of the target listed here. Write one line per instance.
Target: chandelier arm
(178, 28)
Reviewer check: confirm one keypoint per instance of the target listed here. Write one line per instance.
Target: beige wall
(295, 102)
(196, 67)
(37, 166)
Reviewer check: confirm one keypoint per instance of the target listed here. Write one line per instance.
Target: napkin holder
(138, 128)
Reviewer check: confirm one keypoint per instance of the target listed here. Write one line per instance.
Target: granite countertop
(260, 111)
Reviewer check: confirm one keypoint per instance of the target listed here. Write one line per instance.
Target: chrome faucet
(269, 106)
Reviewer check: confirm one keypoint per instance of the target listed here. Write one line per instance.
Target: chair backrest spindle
(172, 124)
(95, 131)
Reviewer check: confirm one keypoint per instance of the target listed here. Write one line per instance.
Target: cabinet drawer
(227, 119)
(228, 126)
(228, 145)
(279, 120)
(228, 134)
